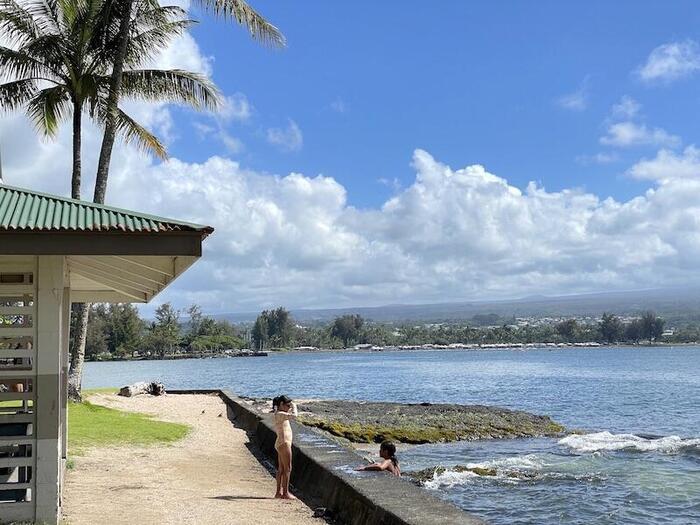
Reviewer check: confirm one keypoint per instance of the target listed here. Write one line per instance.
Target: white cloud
(576, 101)
(628, 134)
(668, 166)
(287, 139)
(235, 108)
(627, 108)
(184, 53)
(671, 61)
(450, 235)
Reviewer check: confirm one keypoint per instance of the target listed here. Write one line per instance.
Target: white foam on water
(450, 478)
(602, 441)
(527, 462)
(506, 470)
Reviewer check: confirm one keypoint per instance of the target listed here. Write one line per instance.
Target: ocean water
(635, 458)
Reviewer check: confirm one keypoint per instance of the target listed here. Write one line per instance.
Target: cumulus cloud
(451, 234)
(671, 61)
(628, 134)
(668, 166)
(287, 139)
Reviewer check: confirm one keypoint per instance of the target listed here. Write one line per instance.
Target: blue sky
(471, 82)
(395, 152)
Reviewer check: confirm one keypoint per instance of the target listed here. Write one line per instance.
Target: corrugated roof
(25, 210)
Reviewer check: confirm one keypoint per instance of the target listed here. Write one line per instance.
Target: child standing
(284, 410)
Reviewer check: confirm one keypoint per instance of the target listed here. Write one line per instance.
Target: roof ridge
(105, 207)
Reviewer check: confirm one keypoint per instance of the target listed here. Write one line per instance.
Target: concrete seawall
(324, 471)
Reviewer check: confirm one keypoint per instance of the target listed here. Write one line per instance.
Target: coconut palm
(238, 10)
(58, 60)
(57, 63)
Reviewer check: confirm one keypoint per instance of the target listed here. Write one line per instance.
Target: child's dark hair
(276, 402)
(391, 450)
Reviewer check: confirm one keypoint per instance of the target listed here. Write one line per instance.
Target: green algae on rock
(374, 422)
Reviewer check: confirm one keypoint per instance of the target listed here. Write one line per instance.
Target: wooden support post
(49, 399)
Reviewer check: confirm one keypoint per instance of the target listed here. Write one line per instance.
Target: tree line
(116, 331)
(277, 329)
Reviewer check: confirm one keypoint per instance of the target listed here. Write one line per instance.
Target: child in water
(390, 463)
(284, 409)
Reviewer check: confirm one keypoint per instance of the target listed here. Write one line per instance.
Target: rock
(374, 422)
(153, 388)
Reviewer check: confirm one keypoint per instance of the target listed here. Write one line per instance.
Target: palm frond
(172, 85)
(46, 14)
(132, 131)
(17, 24)
(14, 95)
(240, 11)
(48, 108)
(17, 65)
(145, 46)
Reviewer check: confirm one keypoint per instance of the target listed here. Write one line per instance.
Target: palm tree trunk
(79, 310)
(113, 105)
(80, 313)
(77, 140)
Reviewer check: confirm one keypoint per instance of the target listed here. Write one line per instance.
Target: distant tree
(610, 328)
(125, 329)
(97, 331)
(195, 322)
(633, 331)
(568, 329)
(260, 333)
(652, 327)
(164, 334)
(347, 328)
(280, 326)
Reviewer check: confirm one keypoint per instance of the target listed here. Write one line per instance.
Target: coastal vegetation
(118, 332)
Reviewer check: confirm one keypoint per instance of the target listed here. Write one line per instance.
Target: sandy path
(210, 477)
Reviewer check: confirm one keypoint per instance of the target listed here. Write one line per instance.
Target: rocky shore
(373, 422)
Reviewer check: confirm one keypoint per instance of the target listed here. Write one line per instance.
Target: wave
(512, 470)
(605, 441)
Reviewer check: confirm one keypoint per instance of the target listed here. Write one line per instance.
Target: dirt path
(209, 478)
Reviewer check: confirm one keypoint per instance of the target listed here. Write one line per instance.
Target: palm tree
(58, 65)
(238, 10)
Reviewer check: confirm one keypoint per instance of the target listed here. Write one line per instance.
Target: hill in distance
(673, 304)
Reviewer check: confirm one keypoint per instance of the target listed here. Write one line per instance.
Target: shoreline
(521, 347)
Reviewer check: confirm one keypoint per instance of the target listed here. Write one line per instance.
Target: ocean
(634, 457)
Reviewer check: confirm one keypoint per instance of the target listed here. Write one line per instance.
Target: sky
(396, 152)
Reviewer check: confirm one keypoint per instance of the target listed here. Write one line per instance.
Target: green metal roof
(24, 210)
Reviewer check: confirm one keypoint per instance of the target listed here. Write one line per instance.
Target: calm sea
(637, 460)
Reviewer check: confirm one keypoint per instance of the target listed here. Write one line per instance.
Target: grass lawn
(94, 426)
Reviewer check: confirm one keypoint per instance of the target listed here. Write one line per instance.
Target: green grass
(97, 426)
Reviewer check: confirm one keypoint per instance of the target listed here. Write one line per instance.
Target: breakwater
(324, 473)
